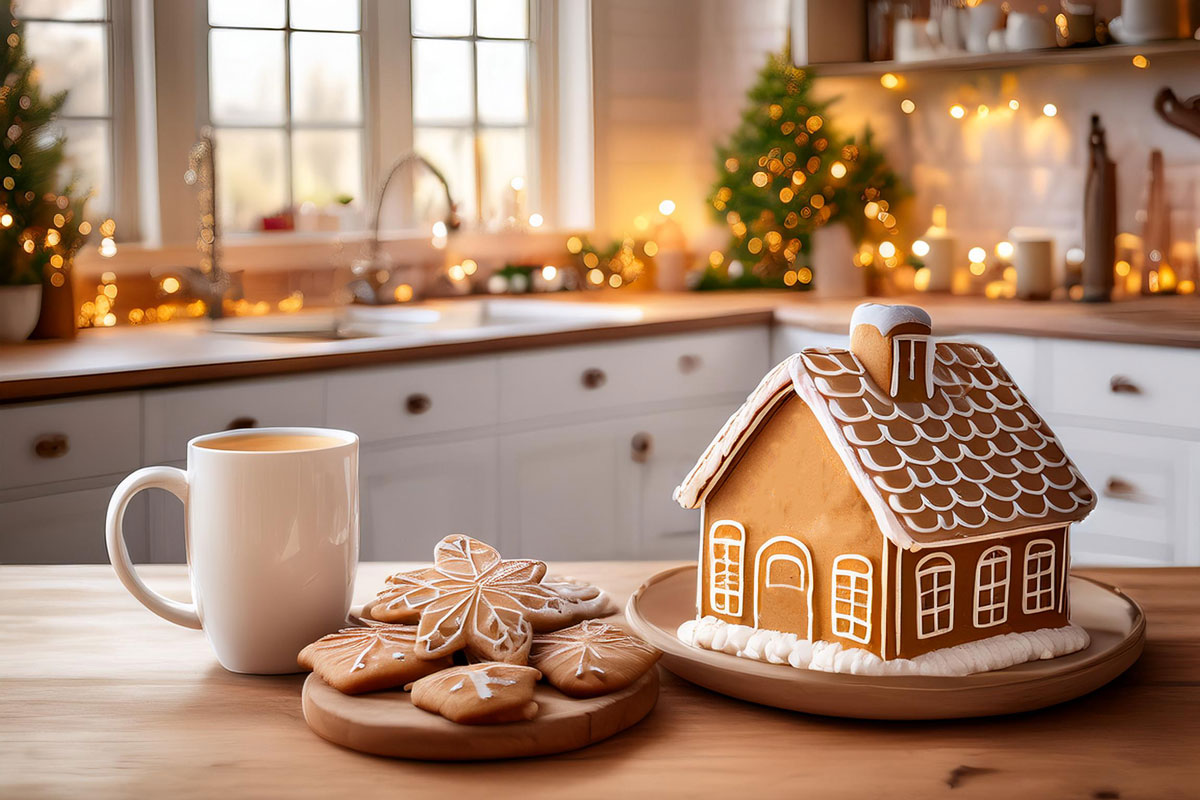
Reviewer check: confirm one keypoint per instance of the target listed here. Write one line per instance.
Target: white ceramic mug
(272, 541)
(1028, 31)
(1146, 21)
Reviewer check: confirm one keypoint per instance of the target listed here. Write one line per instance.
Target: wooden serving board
(1114, 621)
(388, 724)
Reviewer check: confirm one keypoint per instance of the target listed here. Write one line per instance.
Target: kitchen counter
(102, 699)
(186, 352)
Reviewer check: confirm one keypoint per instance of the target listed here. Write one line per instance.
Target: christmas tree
(785, 171)
(39, 226)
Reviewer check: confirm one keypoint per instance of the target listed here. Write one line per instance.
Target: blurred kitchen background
(534, 252)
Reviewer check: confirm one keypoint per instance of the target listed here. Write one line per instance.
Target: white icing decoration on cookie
(885, 318)
(983, 655)
(358, 643)
(482, 682)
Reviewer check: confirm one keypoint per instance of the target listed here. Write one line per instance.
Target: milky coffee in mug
(272, 540)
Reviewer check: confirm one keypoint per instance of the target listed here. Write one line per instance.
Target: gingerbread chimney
(894, 345)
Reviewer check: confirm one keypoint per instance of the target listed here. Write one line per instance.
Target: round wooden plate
(388, 724)
(1114, 622)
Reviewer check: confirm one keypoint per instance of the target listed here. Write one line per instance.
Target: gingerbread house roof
(974, 459)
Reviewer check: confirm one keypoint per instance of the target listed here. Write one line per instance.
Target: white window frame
(940, 568)
(860, 585)
(721, 598)
(992, 612)
(1039, 568)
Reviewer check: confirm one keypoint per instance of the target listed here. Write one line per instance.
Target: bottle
(1099, 219)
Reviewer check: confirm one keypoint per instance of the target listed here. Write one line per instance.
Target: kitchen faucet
(207, 282)
(370, 275)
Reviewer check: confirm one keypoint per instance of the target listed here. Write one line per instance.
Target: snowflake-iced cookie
(473, 599)
(591, 658)
(480, 694)
(584, 601)
(358, 660)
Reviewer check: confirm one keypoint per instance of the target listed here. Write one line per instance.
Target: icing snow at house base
(984, 655)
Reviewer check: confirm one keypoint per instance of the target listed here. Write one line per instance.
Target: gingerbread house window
(851, 599)
(991, 587)
(935, 595)
(726, 551)
(1039, 576)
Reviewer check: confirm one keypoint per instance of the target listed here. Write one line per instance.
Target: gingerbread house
(894, 499)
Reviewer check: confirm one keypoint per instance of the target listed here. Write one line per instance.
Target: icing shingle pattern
(973, 459)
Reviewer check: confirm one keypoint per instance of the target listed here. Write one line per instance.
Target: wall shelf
(1106, 54)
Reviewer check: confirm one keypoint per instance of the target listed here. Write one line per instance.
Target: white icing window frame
(845, 625)
(934, 565)
(911, 366)
(1042, 573)
(721, 598)
(991, 613)
(788, 557)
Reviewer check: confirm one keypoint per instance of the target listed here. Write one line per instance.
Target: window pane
(72, 55)
(88, 161)
(502, 80)
(246, 13)
(326, 164)
(325, 15)
(502, 158)
(61, 9)
(442, 84)
(441, 17)
(246, 83)
(452, 151)
(251, 177)
(325, 77)
(502, 19)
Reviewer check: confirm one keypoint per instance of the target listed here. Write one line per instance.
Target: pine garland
(39, 226)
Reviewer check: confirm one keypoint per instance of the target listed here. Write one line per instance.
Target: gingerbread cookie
(591, 658)
(584, 601)
(473, 599)
(480, 694)
(358, 660)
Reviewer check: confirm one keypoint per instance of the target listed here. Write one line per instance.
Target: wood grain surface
(99, 698)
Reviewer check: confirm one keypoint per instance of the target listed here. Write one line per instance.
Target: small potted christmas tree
(41, 227)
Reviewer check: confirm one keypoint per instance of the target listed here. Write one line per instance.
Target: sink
(453, 319)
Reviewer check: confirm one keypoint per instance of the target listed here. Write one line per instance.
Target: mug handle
(174, 481)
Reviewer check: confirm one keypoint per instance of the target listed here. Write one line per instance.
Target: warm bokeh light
(716, 258)
(650, 248)
(920, 248)
(907, 106)
(469, 266)
(574, 245)
(887, 249)
(517, 184)
(889, 80)
(1014, 104)
(536, 220)
(1050, 110)
(403, 293)
(549, 272)
(976, 255)
(982, 110)
(595, 276)
(666, 208)
(170, 285)
(837, 169)
(1140, 61)
(439, 229)
(957, 111)
(456, 273)
(1004, 250)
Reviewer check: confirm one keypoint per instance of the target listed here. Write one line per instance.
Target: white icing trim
(738, 565)
(927, 368)
(884, 595)
(929, 566)
(700, 557)
(886, 318)
(805, 569)
(854, 589)
(1042, 597)
(898, 594)
(982, 655)
(991, 558)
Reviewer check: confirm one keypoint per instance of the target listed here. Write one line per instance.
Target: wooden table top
(99, 698)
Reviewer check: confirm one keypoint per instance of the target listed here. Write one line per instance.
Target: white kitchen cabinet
(171, 417)
(411, 496)
(788, 339)
(67, 528)
(567, 492)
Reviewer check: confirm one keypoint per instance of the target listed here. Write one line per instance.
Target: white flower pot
(834, 272)
(19, 309)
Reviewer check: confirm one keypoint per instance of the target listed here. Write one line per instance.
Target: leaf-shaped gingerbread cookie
(591, 658)
(473, 599)
(480, 694)
(357, 660)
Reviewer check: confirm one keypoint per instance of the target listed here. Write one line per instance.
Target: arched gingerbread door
(783, 587)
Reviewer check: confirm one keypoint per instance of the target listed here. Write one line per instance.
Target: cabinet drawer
(1132, 383)
(68, 439)
(1142, 487)
(67, 528)
(569, 380)
(173, 416)
(390, 402)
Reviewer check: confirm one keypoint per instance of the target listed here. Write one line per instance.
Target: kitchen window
(851, 601)
(71, 42)
(285, 98)
(726, 549)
